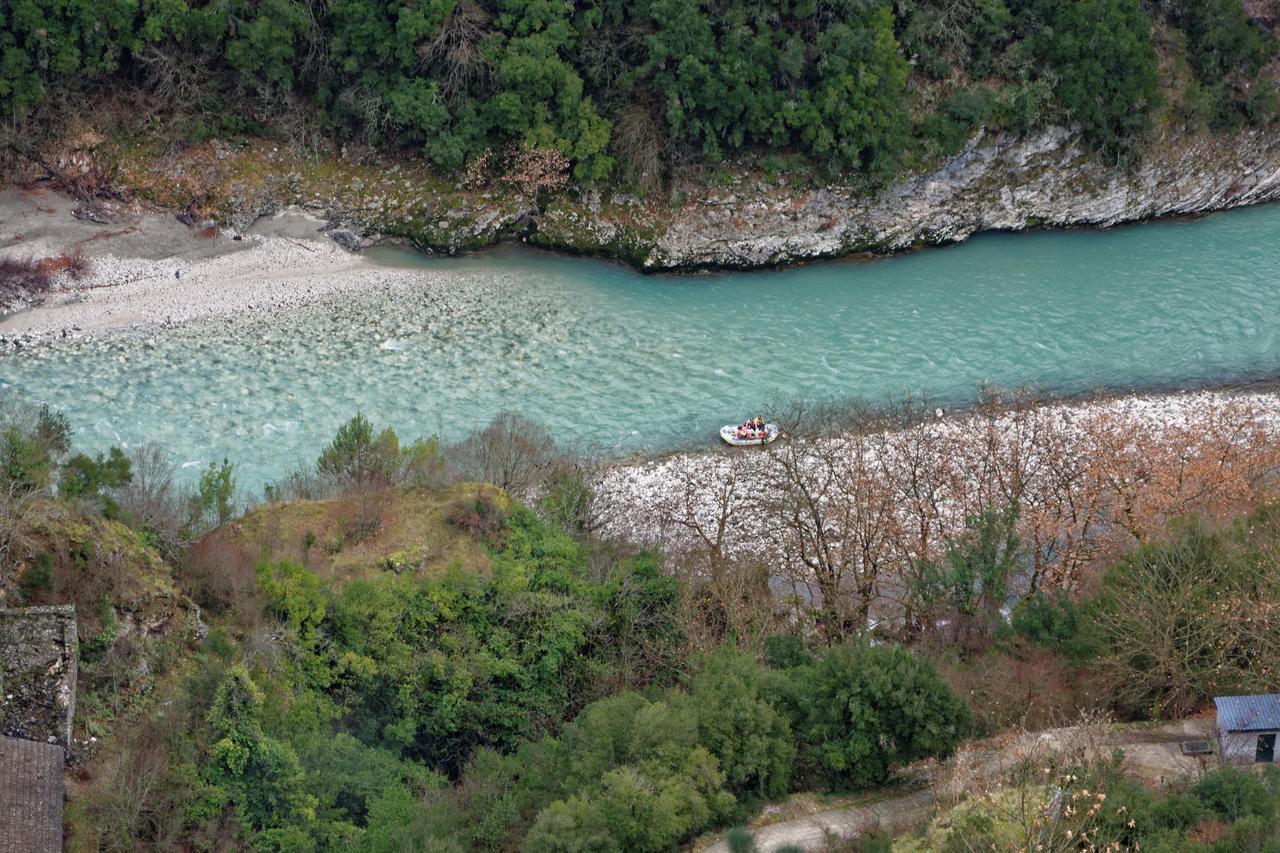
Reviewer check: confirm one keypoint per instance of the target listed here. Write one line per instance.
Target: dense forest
(387, 654)
(636, 90)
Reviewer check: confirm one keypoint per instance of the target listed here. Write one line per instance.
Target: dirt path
(1150, 753)
(894, 815)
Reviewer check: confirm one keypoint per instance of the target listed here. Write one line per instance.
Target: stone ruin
(38, 660)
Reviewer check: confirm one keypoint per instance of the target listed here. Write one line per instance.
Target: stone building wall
(38, 660)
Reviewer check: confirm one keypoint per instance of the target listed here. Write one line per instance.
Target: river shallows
(606, 357)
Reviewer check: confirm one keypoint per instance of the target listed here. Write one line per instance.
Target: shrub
(959, 116)
(21, 278)
(218, 574)
(859, 711)
(295, 595)
(640, 626)
(74, 265)
(480, 516)
(1053, 621)
(740, 840)
(360, 514)
(37, 577)
(568, 500)
(1019, 685)
(1235, 794)
(512, 452)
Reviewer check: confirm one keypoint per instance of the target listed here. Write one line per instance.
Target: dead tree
(836, 520)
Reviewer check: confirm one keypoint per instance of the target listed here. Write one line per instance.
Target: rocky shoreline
(743, 219)
(147, 276)
(725, 498)
(298, 218)
(998, 183)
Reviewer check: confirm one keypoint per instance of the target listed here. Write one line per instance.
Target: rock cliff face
(996, 183)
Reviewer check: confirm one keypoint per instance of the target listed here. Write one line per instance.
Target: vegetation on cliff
(633, 91)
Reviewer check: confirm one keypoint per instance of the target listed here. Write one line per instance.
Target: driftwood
(88, 194)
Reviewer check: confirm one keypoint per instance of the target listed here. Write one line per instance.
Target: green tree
(642, 780)
(739, 724)
(213, 504)
(856, 114)
(32, 443)
(966, 588)
(43, 43)
(1227, 51)
(94, 478)
(261, 774)
(295, 595)
(263, 43)
(859, 711)
(358, 456)
(1104, 56)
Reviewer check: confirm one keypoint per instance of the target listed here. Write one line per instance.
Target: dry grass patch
(410, 532)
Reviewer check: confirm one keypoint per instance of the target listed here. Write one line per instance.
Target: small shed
(1247, 728)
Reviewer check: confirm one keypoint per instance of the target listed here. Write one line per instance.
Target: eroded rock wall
(998, 182)
(38, 661)
(743, 219)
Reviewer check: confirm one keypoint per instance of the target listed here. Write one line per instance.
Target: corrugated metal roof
(1249, 713)
(30, 796)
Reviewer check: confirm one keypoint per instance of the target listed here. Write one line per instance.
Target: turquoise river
(611, 359)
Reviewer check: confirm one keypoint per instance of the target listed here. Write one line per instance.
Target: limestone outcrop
(998, 183)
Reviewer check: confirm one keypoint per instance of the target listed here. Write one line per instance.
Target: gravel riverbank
(1069, 458)
(148, 270)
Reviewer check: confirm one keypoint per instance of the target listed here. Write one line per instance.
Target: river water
(612, 359)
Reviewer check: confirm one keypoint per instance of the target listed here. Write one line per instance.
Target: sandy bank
(149, 269)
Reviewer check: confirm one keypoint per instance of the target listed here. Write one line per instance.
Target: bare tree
(152, 498)
(1188, 617)
(700, 505)
(512, 453)
(16, 505)
(836, 519)
(456, 54)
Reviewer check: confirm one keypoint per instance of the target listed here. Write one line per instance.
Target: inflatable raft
(743, 437)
